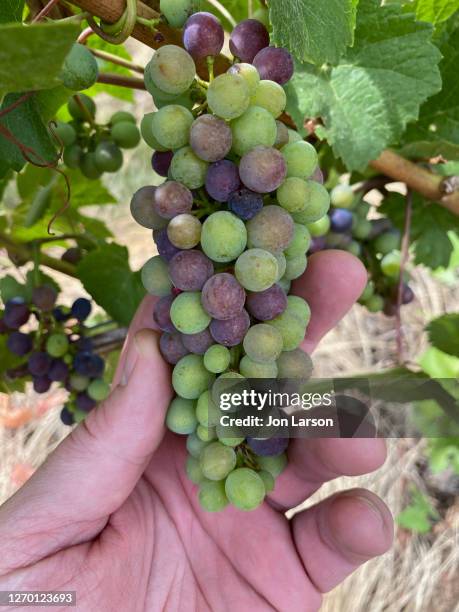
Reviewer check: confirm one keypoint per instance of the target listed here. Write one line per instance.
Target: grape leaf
(444, 333)
(107, 277)
(435, 11)
(11, 10)
(366, 100)
(312, 31)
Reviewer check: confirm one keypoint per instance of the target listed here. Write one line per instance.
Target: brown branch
(109, 340)
(114, 59)
(121, 81)
(45, 10)
(404, 259)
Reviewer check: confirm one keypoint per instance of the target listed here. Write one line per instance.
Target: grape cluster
(91, 147)
(376, 242)
(54, 348)
(229, 223)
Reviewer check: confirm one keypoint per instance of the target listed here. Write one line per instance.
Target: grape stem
(45, 10)
(121, 81)
(404, 260)
(223, 11)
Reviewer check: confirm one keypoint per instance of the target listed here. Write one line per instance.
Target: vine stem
(223, 11)
(114, 59)
(45, 10)
(404, 260)
(121, 81)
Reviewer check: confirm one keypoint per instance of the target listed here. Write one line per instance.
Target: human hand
(112, 516)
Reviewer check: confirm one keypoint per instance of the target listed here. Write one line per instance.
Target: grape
(78, 382)
(291, 328)
(217, 358)
(83, 344)
(227, 383)
(274, 64)
(263, 169)
(375, 303)
(72, 156)
(206, 434)
(320, 227)
(172, 69)
(19, 343)
(142, 209)
(171, 199)
(161, 98)
(16, 313)
(342, 196)
(222, 179)
(217, 461)
(341, 220)
(295, 266)
(207, 412)
(367, 292)
(166, 249)
(203, 35)
(161, 313)
(187, 168)
(171, 347)
(210, 138)
(181, 418)
(212, 496)
(294, 364)
(57, 345)
(147, 133)
(281, 265)
(187, 313)
(184, 231)
(81, 309)
(108, 157)
(293, 194)
(84, 402)
(247, 72)
(44, 297)
(155, 277)
(268, 304)
(66, 416)
(190, 378)
(271, 96)
(253, 369)
(171, 126)
(223, 236)
(317, 206)
(228, 96)
(98, 390)
(271, 229)
(65, 132)
(194, 445)
(122, 116)
(72, 255)
(198, 343)
(88, 166)
(221, 433)
(300, 243)
(245, 203)
(79, 70)
(301, 159)
(387, 242)
(256, 127)
(256, 269)
(247, 39)
(88, 364)
(161, 161)
(245, 489)
(268, 480)
(281, 136)
(263, 343)
(407, 294)
(293, 136)
(193, 470)
(230, 332)
(390, 264)
(41, 384)
(75, 107)
(318, 176)
(268, 447)
(361, 229)
(189, 270)
(274, 465)
(177, 11)
(299, 308)
(58, 370)
(39, 363)
(223, 297)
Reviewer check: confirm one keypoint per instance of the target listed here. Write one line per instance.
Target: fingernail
(143, 345)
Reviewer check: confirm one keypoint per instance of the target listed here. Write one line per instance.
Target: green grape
(319, 227)
(72, 156)
(142, 209)
(367, 292)
(223, 236)
(361, 229)
(300, 243)
(390, 264)
(108, 157)
(172, 69)
(256, 127)
(245, 489)
(317, 206)
(274, 465)
(301, 159)
(79, 70)
(66, 133)
(155, 277)
(295, 266)
(187, 168)
(217, 358)
(282, 135)
(253, 369)
(184, 231)
(190, 378)
(79, 415)
(375, 303)
(171, 126)
(83, 108)
(271, 229)
(187, 313)
(122, 116)
(294, 364)
(285, 284)
(194, 445)
(98, 390)
(249, 73)
(147, 132)
(207, 411)
(227, 441)
(293, 194)
(177, 11)
(387, 242)
(362, 209)
(78, 382)
(299, 308)
(228, 96)
(125, 134)
(268, 480)
(88, 166)
(271, 96)
(160, 98)
(227, 382)
(217, 461)
(206, 434)
(263, 343)
(256, 269)
(293, 136)
(57, 345)
(354, 248)
(342, 196)
(193, 470)
(291, 327)
(212, 496)
(181, 418)
(281, 265)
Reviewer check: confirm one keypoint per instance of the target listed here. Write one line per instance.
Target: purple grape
(39, 363)
(223, 297)
(231, 331)
(60, 315)
(268, 304)
(44, 298)
(390, 308)
(189, 270)
(274, 64)
(162, 313)
(245, 203)
(263, 169)
(67, 416)
(84, 344)
(3, 327)
(198, 343)
(88, 364)
(407, 294)
(41, 384)
(210, 138)
(81, 309)
(161, 161)
(142, 208)
(172, 199)
(317, 176)
(171, 347)
(222, 179)
(341, 220)
(203, 35)
(16, 313)
(84, 402)
(58, 370)
(268, 447)
(72, 255)
(247, 39)
(317, 244)
(19, 343)
(334, 240)
(165, 247)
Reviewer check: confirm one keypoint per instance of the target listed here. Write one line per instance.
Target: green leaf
(122, 93)
(444, 333)
(436, 11)
(107, 277)
(11, 10)
(418, 515)
(312, 31)
(366, 100)
(444, 453)
(31, 56)
(87, 192)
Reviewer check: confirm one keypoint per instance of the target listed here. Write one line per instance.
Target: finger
(336, 536)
